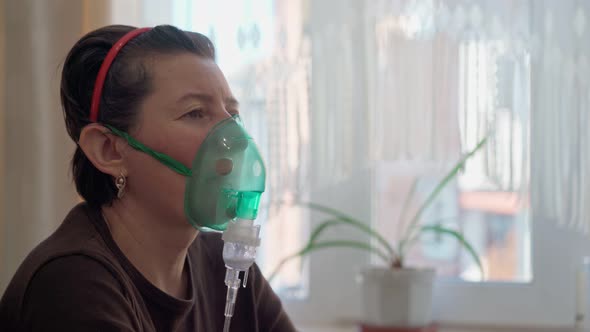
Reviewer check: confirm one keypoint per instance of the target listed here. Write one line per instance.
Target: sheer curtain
(561, 116)
(433, 37)
(445, 74)
(442, 75)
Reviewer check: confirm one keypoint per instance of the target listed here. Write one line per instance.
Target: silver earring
(121, 182)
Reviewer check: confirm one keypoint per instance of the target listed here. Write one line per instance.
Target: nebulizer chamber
(223, 194)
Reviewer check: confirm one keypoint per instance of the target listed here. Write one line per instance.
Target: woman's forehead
(182, 74)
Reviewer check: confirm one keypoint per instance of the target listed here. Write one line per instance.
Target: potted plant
(394, 294)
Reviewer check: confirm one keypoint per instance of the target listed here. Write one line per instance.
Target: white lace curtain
(446, 74)
(561, 59)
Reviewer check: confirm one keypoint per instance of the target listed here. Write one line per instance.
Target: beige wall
(2, 112)
(35, 150)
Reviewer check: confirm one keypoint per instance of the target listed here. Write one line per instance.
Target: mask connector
(241, 240)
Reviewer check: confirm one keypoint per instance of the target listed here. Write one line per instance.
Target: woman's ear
(104, 150)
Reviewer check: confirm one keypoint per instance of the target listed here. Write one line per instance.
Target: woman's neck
(155, 246)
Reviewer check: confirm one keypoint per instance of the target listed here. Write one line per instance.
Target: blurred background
(355, 104)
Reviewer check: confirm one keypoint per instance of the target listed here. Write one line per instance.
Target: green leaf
(321, 227)
(406, 204)
(324, 245)
(284, 261)
(438, 229)
(441, 185)
(344, 218)
(341, 218)
(339, 221)
(415, 236)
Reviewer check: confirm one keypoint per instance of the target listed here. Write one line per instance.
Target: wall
(36, 188)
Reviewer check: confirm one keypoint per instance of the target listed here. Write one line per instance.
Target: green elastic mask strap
(172, 163)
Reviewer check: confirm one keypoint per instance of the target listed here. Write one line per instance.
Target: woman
(126, 259)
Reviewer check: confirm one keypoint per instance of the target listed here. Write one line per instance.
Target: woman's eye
(195, 114)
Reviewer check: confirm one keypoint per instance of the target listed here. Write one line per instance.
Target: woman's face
(189, 96)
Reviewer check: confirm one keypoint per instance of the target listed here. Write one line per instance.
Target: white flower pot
(397, 297)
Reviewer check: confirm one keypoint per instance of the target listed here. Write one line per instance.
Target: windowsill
(352, 328)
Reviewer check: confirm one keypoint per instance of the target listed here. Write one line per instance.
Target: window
(351, 102)
(489, 201)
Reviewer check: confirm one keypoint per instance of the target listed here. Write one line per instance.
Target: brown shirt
(79, 280)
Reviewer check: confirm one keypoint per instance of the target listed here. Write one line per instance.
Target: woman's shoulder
(79, 274)
(71, 262)
(77, 284)
(77, 236)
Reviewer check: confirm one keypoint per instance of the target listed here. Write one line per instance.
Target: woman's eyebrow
(231, 101)
(195, 95)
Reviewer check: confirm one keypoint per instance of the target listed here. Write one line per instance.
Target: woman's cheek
(187, 151)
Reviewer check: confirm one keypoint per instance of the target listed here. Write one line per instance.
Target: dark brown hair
(126, 85)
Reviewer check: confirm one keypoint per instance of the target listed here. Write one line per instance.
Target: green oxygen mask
(227, 177)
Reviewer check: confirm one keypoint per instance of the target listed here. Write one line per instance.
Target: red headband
(104, 69)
